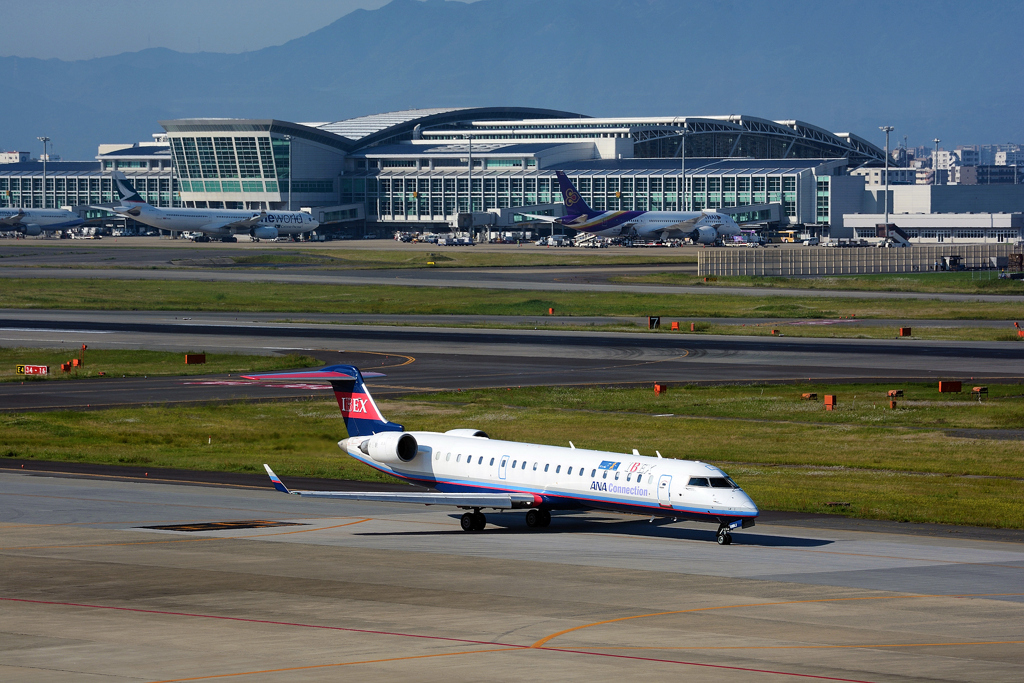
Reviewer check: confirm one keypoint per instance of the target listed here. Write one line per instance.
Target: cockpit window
(721, 483)
(698, 481)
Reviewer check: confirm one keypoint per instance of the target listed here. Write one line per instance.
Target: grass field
(982, 282)
(907, 464)
(432, 256)
(137, 363)
(297, 298)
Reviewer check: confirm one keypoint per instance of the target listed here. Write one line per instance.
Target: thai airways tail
(574, 203)
(358, 409)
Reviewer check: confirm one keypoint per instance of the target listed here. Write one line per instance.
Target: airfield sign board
(32, 370)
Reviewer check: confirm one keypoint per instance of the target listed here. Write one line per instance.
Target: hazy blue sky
(83, 29)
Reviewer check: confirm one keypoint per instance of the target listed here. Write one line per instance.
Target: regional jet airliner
(468, 470)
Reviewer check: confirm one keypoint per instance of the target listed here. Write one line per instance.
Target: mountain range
(932, 69)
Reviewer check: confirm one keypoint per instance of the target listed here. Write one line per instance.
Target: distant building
(942, 228)
(14, 157)
(1009, 158)
(986, 175)
(897, 176)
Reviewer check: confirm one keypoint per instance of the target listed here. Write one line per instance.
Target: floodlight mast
(43, 140)
(887, 130)
(935, 163)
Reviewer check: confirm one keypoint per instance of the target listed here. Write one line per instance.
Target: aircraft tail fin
(125, 189)
(358, 409)
(574, 203)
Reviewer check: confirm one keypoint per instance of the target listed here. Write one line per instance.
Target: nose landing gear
(724, 537)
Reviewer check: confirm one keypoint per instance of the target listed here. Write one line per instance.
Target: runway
(431, 358)
(383, 593)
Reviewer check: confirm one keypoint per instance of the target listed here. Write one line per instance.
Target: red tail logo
(358, 406)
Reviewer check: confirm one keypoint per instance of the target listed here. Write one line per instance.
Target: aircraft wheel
(479, 521)
(545, 517)
(468, 522)
(724, 537)
(533, 519)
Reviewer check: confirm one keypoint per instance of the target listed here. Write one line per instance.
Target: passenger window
(616, 476)
(492, 462)
(558, 470)
(524, 465)
(437, 456)
(514, 464)
(480, 461)
(604, 475)
(535, 466)
(458, 458)
(593, 473)
(628, 477)
(448, 457)
(546, 467)
(569, 471)
(697, 481)
(582, 471)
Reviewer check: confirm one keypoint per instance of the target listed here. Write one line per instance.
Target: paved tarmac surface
(425, 359)
(381, 593)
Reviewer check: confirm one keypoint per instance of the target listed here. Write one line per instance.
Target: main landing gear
(538, 518)
(724, 537)
(473, 521)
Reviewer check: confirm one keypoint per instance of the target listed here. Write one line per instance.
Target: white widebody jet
(703, 227)
(468, 470)
(34, 222)
(223, 224)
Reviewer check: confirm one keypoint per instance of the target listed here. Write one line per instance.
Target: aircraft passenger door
(501, 467)
(665, 491)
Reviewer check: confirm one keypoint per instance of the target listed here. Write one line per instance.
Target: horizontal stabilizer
(328, 373)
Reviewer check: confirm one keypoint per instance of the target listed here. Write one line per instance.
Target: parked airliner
(703, 227)
(468, 470)
(37, 221)
(220, 223)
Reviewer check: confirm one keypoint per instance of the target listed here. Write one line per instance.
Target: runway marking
(502, 647)
(811, 647)
(543, 641)
(408, 359)
(185, 540)
(323, 666)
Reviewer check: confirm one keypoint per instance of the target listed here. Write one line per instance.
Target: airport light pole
(43, 140)
(683, 202)
(887, 130)
(469, 188)
(935, 163)
(288, 139)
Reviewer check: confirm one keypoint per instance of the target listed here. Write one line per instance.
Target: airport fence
(723, 261)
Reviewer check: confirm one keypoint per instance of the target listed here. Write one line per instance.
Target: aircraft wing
(13, 220)
(241, 224)
(466, 500)
(536, 217)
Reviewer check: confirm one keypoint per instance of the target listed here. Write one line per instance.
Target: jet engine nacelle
(264, 233)
(390, 447)
(32, 230)
(705, 235)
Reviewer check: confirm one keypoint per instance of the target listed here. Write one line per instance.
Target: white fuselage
(212, 221)
(566, 478)
(45, 219)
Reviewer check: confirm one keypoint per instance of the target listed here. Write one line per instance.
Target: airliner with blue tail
(703, 227)
(466, 469)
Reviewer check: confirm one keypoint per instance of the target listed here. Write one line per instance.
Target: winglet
(278, 484)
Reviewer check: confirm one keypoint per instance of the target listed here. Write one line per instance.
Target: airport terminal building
(420, 169)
